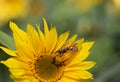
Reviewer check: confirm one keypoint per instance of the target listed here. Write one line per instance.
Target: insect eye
(70, 48)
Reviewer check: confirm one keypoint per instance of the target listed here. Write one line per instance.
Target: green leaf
(7, 40)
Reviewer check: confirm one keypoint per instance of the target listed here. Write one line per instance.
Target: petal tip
(92, 42)
(11, 23)
(43, 19)
(94, 63)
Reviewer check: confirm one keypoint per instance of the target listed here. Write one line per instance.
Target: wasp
(65, 49)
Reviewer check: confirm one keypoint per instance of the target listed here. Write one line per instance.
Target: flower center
(46, 70)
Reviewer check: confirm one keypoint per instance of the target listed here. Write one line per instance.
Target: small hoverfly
(60, 53)
(65, 49)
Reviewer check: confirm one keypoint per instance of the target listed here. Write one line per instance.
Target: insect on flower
(61, 53)
(58, 59)
(65, 49)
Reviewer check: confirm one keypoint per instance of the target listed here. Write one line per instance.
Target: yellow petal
(46, 30)
(20, 34)
(70, 41)
(20, 78)
(79, 43)
(51, 40)
(47, 34)
(67, 79)
(42, 38)
(61, 40)
(50, 37)
(88, 45)
(8, 51)
(80, 66)
(78, 75)
(24, 78)
(25, 51)
(78, 58)
(20, 72)
(13, 63)
(34, 38)
(87, 65)
(83, 54)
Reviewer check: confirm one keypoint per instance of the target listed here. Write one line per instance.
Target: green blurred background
(95, 20)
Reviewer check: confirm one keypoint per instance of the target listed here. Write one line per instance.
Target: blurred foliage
(96, 20)
(7, 41)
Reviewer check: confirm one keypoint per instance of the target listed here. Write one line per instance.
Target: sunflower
(47, 57)
(10, 9)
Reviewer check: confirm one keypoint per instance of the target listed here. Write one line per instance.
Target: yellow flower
(47, 57)
(10, 9)
(85, 5)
